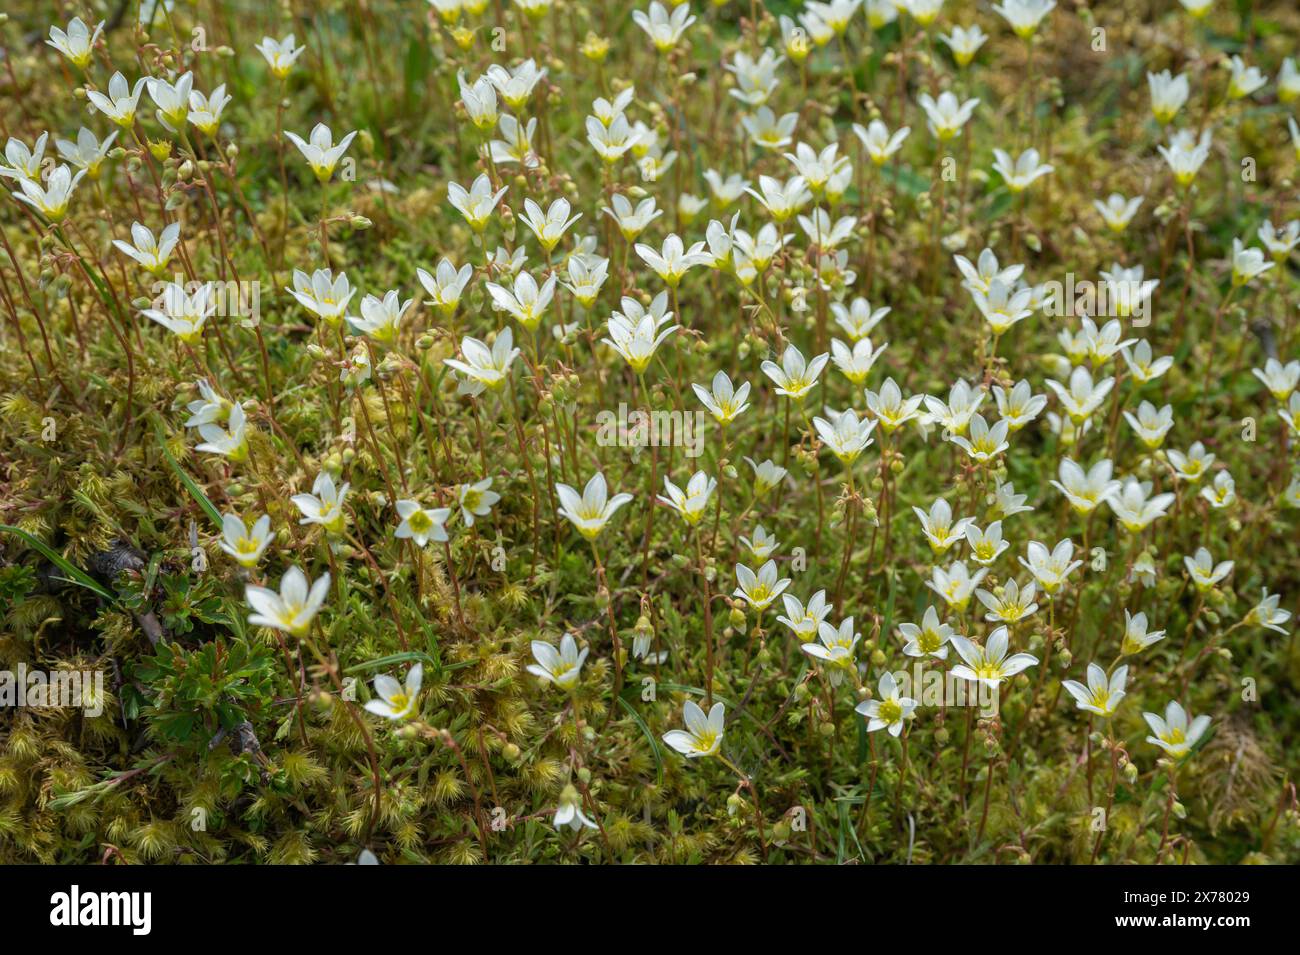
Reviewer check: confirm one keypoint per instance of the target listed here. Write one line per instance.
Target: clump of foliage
(641, 434)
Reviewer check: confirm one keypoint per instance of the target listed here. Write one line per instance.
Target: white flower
(1223, 492)
(1024, 16)
(1185, 154)
(1142, 366)
(446, 285)
(280, 55)
(380, 318)
(53, 198)
(209, 408)
(586, 278)
(795, 377)
(1132, 507)
(804, 621)
(769, 131)
(516, 144)
(477, 203)
(1019, 405)
(320, 151)
(293, 608)
(86, 153)
(878, 142)
(989, 664)
(1168, 94)
(1247, 264)
(1205, 573)
(1012, 604)
(1136, 636)
(889, 710)
(724, 401)
(1244, 79)
(418, 524)
(692, 503)
(562, 667)
(759, 590)
(663, 28)
(569, 811)
(1020, 173)
(1003, 306)
(1192, 465)
(816, 168)
(1288, 81)
(859, 319)
(637, 340)
(592, 511)
(516, 86)
(324, 505)
(1117, 212)
(153, 254)
(121, 101)
(323, 293)
(526, 301)
(1267, 614)
(1050, 568)
(1279, 242)
(930, 639)
(835, 648)
(476, 500)
(986, 545)
(183, 313)
(1279, 379)
(755, 79)
(964, 43)
(856, 361)
(231, 442)
(890, 408)
(844, 434)
(955, 415)
(205, 111)
(1151, 425)
(946, 116)
(77, 43)
(487, 366)
(725, 192)
(955, 584)
(1102, 695)
(1173, 734)
(766, 476)
(397, 702)
(548, 226)
(611, 140)
(703, 735)
(244, 545)
(781, 199)
(763, 544)
(984, 443)
(22, 163)
(1082, 396)
(674, 259)
(1007, 502)
(980, 275)
(939, 528)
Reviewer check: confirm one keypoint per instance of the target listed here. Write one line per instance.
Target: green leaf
(75, 574)
(196, 492)
(654, 745)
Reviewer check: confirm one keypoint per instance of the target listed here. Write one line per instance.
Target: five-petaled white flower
(703, 734)
(421, 524)
(1174, 734)
(562, 667)
(397, 701)
(989, 664)
(293, 608)
(890, 709)
(1103, 693)
(592, 511)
